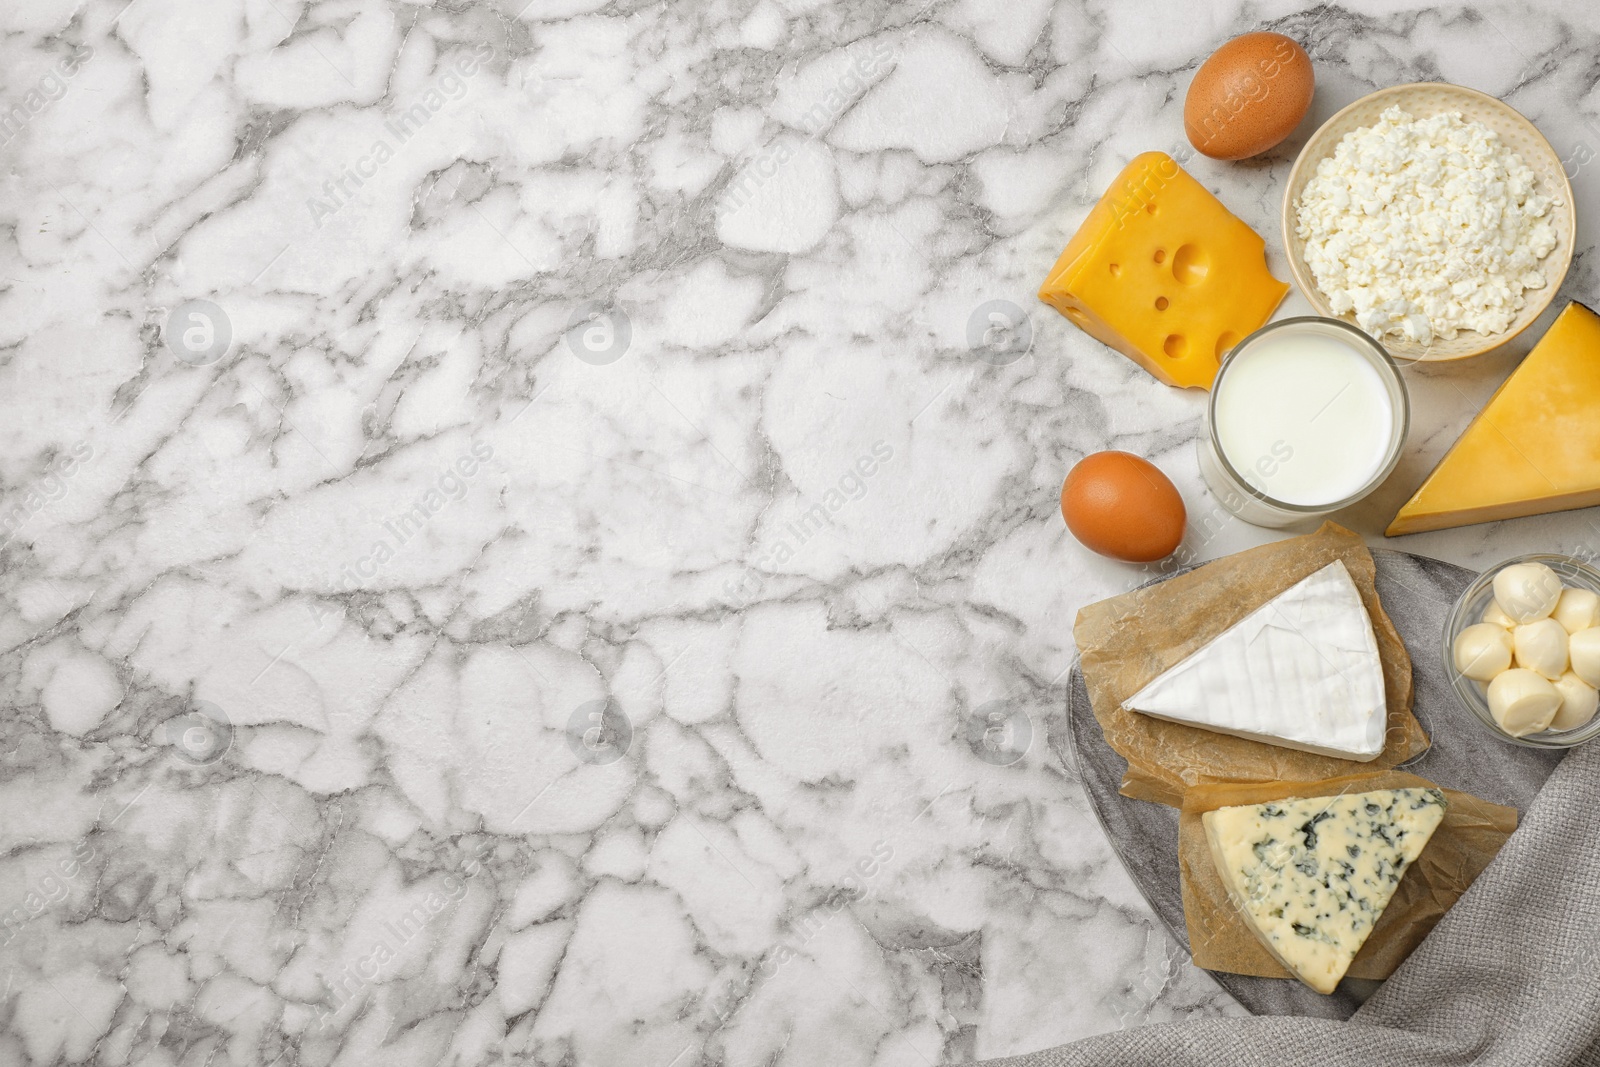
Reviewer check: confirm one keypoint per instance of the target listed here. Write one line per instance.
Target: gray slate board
(1418, 593)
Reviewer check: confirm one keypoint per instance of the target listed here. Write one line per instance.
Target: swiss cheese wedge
(1535, 447)
(1311, 877)
(1164, 274)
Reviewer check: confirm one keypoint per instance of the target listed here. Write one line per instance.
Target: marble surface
(510, 555)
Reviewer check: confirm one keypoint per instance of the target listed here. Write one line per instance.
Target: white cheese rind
(1302, 671)
(1311, 876)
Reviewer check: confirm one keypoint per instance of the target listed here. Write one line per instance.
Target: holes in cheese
(1157, 233)
(1190, 265)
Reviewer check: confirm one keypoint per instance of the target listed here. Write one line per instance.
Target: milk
(1309, 416)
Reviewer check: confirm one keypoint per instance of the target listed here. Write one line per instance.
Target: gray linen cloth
(1509, 978)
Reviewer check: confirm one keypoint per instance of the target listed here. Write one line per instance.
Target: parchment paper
(1127, 640)
(1472, 832)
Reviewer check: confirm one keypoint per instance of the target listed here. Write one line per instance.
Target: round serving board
(1417, 592)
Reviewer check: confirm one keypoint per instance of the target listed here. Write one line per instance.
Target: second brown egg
(1248, 96)
(1122, 506)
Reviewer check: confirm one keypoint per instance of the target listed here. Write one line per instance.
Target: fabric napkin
(1509, 978)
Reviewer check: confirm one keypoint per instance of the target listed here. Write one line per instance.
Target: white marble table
(394, 675)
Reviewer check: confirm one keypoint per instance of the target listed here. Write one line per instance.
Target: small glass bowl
(1469, 609)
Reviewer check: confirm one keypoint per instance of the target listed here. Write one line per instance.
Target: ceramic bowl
(1422, 100)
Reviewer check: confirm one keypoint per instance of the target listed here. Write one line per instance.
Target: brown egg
(1248, 96)
(1122, 506)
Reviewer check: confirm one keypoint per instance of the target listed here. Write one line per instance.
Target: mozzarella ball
(1579, 701)
(1541, 646)
(1578, 609)
(1523, 702)
(1482, 651)
(1584, 649)
(1495, 617)
(1527, 591)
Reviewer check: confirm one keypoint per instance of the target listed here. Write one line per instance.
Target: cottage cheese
(1424, 227)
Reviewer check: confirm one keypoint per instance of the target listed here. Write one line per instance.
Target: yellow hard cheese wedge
(1165, 274)
(1310, 877)
(1535, 447)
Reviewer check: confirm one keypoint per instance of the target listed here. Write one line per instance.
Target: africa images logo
(44, 92)
(45, 490)
(851, 486)
(451, 485)
(401, 126)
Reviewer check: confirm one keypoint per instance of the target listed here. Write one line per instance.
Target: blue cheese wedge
(1311, 876)
(1302, 671)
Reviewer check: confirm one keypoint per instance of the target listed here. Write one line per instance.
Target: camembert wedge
(1302, 671)
(1535, 447)
(1310, 877)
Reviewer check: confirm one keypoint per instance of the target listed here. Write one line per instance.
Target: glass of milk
(1307, 416)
